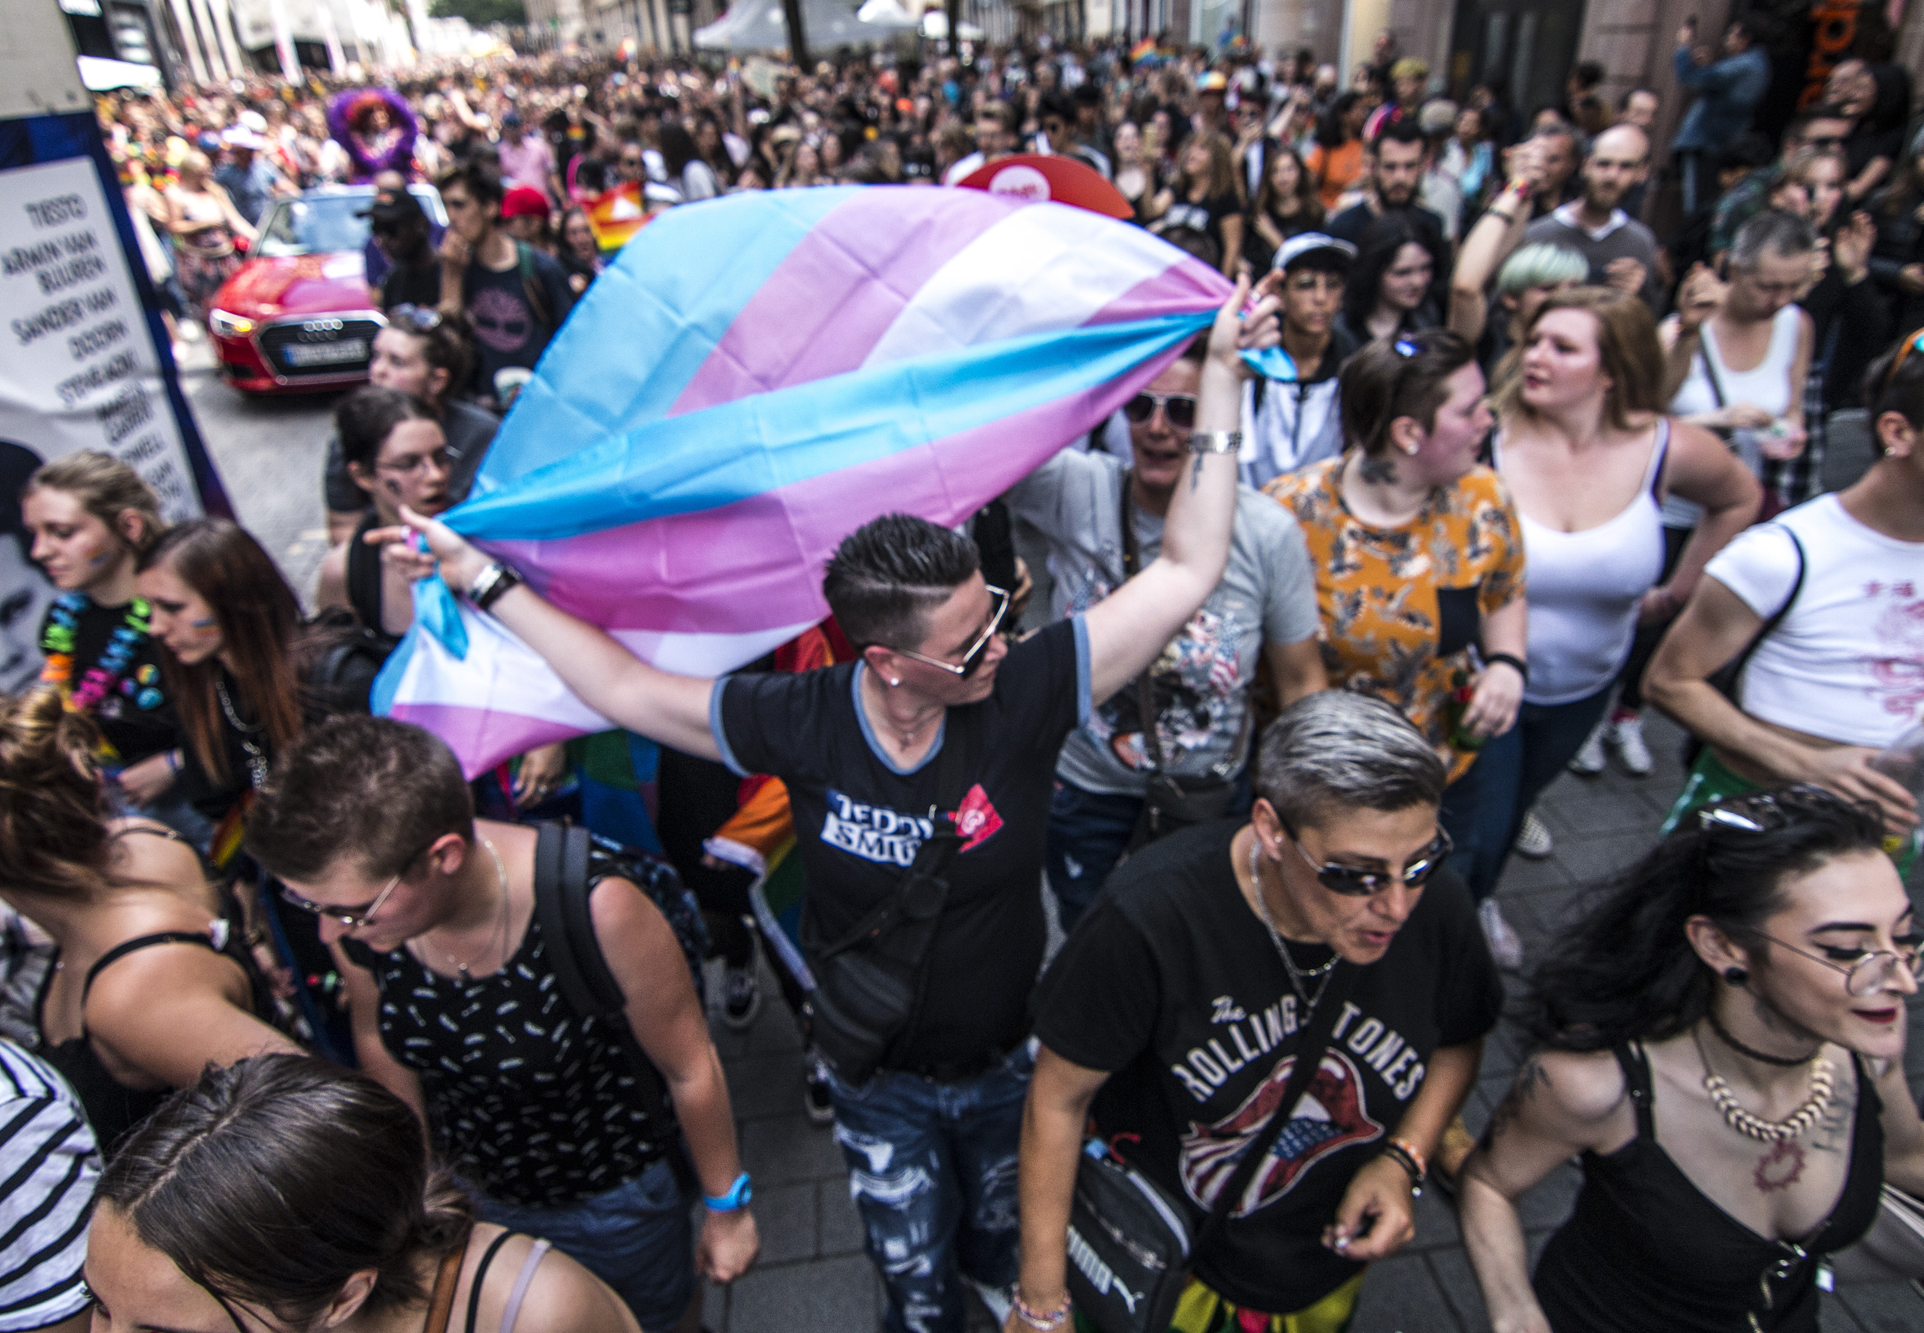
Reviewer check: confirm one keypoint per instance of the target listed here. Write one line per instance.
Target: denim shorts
(637, 1238)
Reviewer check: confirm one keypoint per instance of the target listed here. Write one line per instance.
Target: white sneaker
(1533, 839)
(1589, 760)
(1506, 946)
(1627, 735)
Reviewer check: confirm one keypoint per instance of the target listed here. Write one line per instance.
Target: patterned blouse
(1400, 607)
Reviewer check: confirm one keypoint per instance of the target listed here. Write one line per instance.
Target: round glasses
(1863, 976)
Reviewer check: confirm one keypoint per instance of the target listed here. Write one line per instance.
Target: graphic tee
(859, 821)
(1199, 684)
(507, 330)
(1401, 606)
(1172, 982)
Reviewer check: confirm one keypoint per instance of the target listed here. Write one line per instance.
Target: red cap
(524, 201)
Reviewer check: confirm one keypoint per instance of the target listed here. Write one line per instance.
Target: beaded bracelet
(1043, 1323)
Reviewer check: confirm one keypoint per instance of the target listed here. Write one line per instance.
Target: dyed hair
(1540, 264)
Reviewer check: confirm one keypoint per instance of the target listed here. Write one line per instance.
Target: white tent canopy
(757, 25)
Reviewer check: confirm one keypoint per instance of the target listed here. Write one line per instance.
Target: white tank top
(1766, 385)
(1584, 588)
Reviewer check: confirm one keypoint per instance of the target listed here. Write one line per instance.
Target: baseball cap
(391, 211)
(1438, 116)
(239, 136)
(1309, 243)
(524, 201)
(510, 120)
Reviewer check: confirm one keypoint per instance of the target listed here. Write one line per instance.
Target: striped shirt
(48, 1169)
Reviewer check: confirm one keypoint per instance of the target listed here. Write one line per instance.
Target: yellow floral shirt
(1390, 598)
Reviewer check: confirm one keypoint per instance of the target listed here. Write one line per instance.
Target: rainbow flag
(614, 216)
(752, 379)
(1142, 50)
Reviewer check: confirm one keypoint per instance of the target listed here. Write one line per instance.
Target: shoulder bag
(1129, 1244)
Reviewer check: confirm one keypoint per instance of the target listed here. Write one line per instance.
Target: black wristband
(1509, 659)
(1395, 1153)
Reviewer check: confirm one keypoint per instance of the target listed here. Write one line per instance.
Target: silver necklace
(463, 971)
(257, 766)
(1296, 974)
(1753, 1126)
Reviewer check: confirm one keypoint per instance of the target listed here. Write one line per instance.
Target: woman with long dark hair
(288, 1194)
(227, 623)
(1389, 286)
(150, 982)
(1203, 196)
(1286, 204)
(683, 162)
(1722, 1041)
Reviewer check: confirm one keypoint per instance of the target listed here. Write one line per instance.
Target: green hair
(1540, 265)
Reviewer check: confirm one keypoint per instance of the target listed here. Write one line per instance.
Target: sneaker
(1533, 839)
(815, 1098)
(741, 996)
(1589, 760)
(1627, 735)
(1506, 946)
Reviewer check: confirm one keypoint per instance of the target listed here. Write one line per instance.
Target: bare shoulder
(332, 588)
(561, 1295)
(1586, 1087)
(148, 851)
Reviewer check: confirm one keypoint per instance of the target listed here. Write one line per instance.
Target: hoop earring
(1736, 976)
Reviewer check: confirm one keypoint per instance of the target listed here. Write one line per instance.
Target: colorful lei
(110, 671)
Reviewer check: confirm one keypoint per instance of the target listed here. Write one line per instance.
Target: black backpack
(561, 888)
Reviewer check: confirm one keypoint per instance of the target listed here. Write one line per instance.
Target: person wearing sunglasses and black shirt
(937, 700)
(1176, 1015)
(399, 226)
(1198, 688)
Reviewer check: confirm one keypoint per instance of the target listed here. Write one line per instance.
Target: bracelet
(737, 1197)
(491, 583)
(1404, 1154)
(1510, 660)
(1215, 441)
(1042, 1323)
(1415, 1154)
(173, 761)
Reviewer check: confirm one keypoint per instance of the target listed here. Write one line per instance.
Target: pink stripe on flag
(786, 334)
(481, 731)
(1190, 285)
(756, 564)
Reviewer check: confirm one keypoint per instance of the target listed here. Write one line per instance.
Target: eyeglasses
(351, 917)
(1180, 408)
(973, 658)
(1865, 975)
(407, 466)
(1353, 882)
(415, 318)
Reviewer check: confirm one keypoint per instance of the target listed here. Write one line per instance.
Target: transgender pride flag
(752, 379)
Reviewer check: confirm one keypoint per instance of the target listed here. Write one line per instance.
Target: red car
(298, 316)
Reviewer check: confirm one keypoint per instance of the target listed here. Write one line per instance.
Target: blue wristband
(737, 1197)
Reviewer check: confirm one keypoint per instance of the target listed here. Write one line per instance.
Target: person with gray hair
(1179, 1009)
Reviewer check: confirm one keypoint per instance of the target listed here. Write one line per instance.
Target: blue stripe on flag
(727, 453)
(676, 287)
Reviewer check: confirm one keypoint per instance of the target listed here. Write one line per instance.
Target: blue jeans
(1483, 810)
(932, 1170)
(1088, 831)
(636, 1237)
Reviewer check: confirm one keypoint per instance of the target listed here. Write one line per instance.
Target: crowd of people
(1261, 679)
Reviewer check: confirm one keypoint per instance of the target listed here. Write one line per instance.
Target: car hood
(302, 285)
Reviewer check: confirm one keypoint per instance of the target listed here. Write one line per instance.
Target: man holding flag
(920, 776)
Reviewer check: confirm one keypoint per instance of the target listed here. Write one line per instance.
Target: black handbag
(1169, 803)
(1129, 1244)
(868, 983)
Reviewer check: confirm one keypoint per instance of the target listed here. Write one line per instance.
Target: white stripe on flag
(1041, 268)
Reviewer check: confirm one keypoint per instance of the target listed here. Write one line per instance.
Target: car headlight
(228, 325)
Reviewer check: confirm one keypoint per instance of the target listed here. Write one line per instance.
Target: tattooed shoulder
(1531, 1079)
(1833, 1132)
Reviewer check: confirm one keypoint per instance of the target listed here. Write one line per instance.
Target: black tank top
(364, 581)
(1645, 1249)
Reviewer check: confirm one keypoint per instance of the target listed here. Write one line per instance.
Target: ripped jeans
(932, 1169)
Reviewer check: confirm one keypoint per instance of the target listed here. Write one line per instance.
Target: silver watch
(1215, 441)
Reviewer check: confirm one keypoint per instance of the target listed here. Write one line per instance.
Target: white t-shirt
(1847, 662)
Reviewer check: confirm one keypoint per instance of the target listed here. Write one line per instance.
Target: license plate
(325, 354)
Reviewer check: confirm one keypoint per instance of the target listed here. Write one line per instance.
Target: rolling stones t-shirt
(1172, 982)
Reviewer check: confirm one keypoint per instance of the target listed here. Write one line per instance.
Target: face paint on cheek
(208, 623)
(100, 560)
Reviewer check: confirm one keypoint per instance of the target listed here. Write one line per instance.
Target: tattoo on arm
(1379, 468)
(1195, 473)
(1529, 1080)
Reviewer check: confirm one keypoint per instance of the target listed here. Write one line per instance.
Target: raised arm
(1128, 628)
(1493, 238)
(669, 709)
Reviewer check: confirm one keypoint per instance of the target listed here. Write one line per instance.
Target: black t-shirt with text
(1172, 982)
(859, 821)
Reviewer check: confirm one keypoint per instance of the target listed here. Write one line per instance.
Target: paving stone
(1882, 1307)
(761, 1086)
(826, 1296)
(1401, 1295)
(1457, 1280)
(1435, 1223)
(786, 1217)
(789, 1149)
(839, 1224)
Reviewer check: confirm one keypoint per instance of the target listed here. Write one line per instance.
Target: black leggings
(1644, 647)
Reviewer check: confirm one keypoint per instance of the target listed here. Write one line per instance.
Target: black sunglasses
(1180, 408)
(977, 650)
(1353, 882)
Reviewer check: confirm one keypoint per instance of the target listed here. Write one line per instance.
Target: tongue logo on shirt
(976, 819)
(1329, 1118)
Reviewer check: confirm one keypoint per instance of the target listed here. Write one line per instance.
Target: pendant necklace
(257, 765)
(1753, 1126)
(1296, 974)
(464, 971)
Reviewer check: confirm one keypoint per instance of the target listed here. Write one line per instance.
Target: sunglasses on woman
(973, 657)
(1353, 882)
(351, 917)
(1180, 408)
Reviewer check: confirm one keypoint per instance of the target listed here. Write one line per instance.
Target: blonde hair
(1628, 351)
(106, 488)
(53, 807)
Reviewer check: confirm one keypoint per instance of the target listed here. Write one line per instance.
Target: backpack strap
(1736, 668)
(567, 926)
(531, 285)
